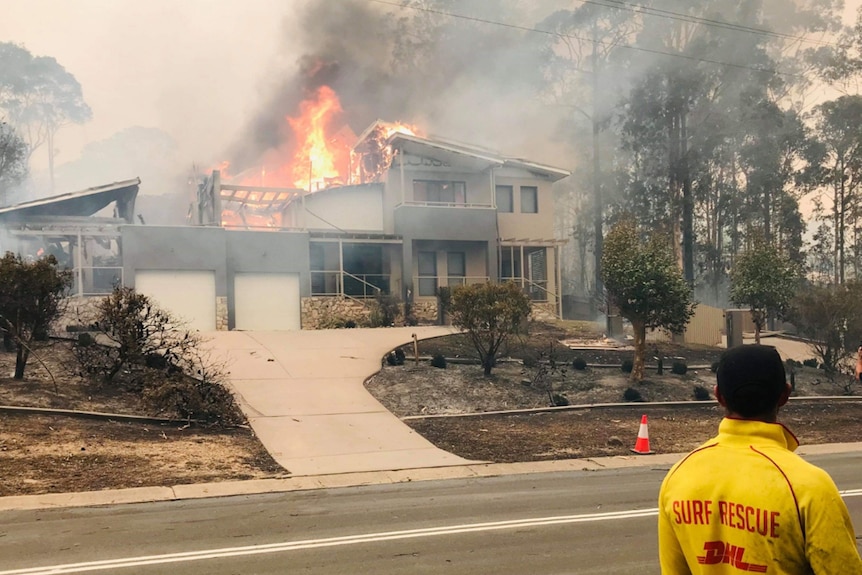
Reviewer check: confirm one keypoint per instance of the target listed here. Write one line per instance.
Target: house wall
(225, 252)
(353, 208)
(518, 225)
(175, 248)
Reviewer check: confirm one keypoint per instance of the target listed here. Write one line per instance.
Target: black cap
(751, 378)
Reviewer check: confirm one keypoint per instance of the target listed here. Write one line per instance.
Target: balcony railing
(340, 283)
(95, 280)
(428, 284)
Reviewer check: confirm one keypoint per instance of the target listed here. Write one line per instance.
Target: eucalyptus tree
(836, 159)
(39, 97)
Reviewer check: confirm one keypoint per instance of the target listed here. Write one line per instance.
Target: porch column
(340, 267)
(407, 270)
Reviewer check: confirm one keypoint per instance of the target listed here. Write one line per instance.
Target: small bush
(399, 356)
(701, 393)
(627, 366)
(679, 367)
(810, 362)
(579, 363)
(631, 394)
(438, 360)
(794, 363)
(350, 324)
(203, 401)
(386, 310)
(530, 361)
(85, 339)
(560, 400)
(714, 367)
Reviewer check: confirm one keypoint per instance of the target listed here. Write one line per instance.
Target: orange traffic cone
(642, 444)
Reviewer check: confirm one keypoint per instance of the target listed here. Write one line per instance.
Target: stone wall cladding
(544, 311)
(221, 313)
(425, 311)
(332, 312)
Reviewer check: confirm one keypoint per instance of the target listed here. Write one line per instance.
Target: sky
(196, 69)
(193, 68)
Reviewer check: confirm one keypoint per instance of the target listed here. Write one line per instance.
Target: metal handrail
(360, 280)
(553, 296)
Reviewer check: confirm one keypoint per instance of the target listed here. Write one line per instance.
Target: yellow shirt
(744, 502)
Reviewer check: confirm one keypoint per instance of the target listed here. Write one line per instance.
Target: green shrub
(560, 400)
(701, 393)
(438, 360)
(530, 361)
(714, 367)
(631, 394)
(627, 366)
(810, 362)
(679, 367)
(579, 363)
(350, 324)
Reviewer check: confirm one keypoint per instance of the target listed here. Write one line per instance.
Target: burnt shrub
(560, 400)
(579, 363)
(385, 311)
(530, 361)
(701, 393)
(627, 366)
(396, 357)
(631, 394)
(679, 367)
(438, 360)
(203, 401)
(714, 367)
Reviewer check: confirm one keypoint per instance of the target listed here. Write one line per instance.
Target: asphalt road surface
(584, 522)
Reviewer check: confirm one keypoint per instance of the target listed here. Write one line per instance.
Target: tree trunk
(598, 200)
(487, 364)
(20, 362)
(640, 351)
(687, 206)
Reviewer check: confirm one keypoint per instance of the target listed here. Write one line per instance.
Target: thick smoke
(419, 67)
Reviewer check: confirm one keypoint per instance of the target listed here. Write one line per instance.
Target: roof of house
(481, 157)
(82, 204)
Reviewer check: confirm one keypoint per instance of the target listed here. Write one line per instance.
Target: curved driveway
(303, 394)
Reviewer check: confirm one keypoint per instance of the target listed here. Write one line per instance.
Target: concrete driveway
(303, 394)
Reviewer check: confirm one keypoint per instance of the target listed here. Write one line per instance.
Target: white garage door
(266, 302)
(188, 295)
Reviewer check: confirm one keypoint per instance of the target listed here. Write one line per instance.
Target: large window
(427, 273)
(529, 200)
(440, 192)
(504, 199)
(456, 268)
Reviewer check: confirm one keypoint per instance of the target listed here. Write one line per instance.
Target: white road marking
(328, 542)
(339, 541)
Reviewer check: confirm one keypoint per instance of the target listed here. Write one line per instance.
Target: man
(743, 501)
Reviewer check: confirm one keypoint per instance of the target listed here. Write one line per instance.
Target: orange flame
(317, 162)
(321, 154)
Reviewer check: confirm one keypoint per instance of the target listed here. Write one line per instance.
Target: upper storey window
(440, 192)
(529, 200)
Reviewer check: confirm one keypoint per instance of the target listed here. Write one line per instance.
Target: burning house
(81, 229)
(414, 214)
(316, 230)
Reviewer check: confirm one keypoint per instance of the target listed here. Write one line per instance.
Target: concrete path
(304, 396)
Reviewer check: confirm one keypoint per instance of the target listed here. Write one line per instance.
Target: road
(577, 522)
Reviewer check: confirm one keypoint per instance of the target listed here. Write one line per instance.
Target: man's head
(752, 382)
